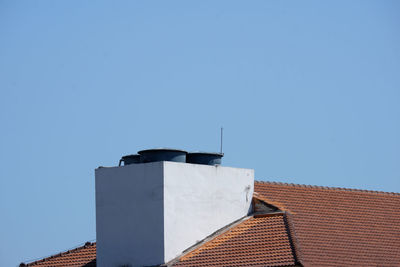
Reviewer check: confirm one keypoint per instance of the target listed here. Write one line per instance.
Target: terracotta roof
(339, 227)
(257, 241)
(261, 241)
(81, 256)
(320, 226)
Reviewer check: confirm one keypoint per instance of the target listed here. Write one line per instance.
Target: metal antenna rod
(222, 132)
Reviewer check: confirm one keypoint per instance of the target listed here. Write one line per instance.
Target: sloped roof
(258, 241)
(339, 227)
(81, 256)
(319, 226)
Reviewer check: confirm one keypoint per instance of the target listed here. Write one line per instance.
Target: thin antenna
(222, 133)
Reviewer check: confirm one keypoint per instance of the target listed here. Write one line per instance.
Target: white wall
(147, 214)
(129, 215)
(199, 200)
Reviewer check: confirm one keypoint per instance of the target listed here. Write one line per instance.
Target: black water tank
(205, 158)
(130, 159)
(162, 154)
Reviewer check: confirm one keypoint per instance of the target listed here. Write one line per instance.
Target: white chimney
(149, 213)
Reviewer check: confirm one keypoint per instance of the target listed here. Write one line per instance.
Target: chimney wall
(148, 214)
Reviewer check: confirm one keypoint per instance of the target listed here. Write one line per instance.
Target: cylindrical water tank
(162, 154)
(130, 159)
(205, 158)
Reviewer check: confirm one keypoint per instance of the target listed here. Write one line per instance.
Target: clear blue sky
(307, 92)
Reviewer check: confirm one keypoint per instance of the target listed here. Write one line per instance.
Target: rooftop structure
(208, 215)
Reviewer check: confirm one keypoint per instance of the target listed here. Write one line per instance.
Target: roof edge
(293, 240)
(34, 262)
(329, 188)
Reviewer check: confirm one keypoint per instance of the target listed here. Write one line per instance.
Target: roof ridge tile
(329, 188)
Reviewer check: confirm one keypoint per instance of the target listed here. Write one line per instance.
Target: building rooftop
(299, 225)
(339, 227)
(257, 241)
(81, 256)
